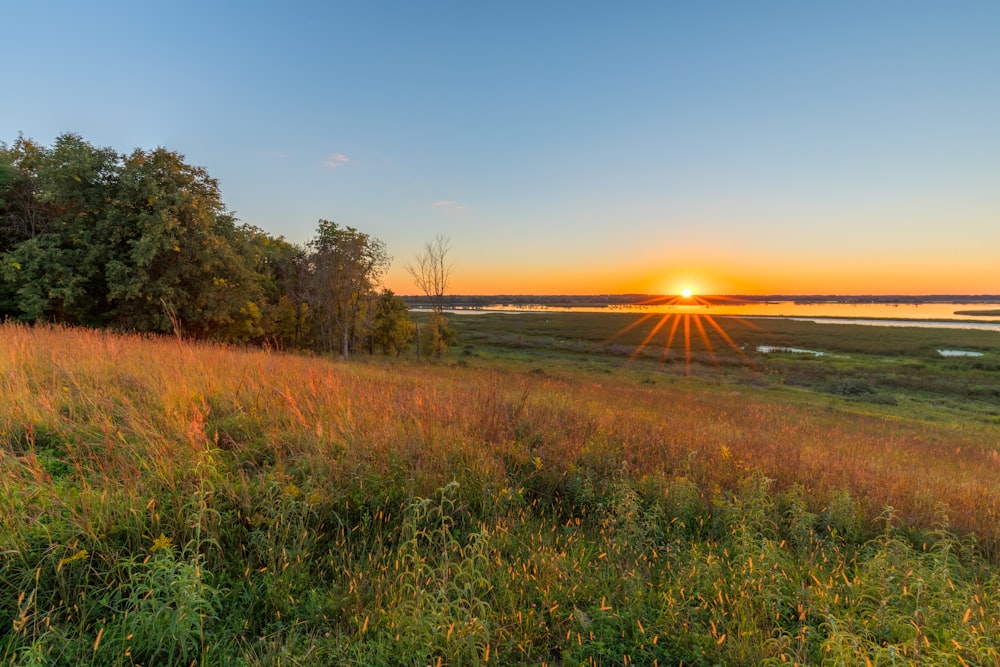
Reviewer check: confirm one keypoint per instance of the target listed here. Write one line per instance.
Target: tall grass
(165, 503)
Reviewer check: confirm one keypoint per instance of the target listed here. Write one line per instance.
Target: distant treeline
(143, 242)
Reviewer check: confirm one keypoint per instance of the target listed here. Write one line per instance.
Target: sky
(564, 147)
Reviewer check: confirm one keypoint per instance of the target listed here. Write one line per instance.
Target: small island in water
(979, 313)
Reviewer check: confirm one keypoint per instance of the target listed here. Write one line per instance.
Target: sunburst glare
(695, 327)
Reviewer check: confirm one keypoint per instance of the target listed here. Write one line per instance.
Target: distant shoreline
(610, 300)
(957, 312)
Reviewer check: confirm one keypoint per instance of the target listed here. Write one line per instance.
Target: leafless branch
(432, 271)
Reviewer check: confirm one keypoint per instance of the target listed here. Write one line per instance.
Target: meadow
(551, 493)
(888, 370)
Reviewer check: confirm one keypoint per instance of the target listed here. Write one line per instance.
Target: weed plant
(172, 504)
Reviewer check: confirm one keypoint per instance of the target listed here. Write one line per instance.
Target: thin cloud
(337, 160)
(450, 203)
(279, 155)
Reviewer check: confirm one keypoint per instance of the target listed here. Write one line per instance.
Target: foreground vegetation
(172, 503)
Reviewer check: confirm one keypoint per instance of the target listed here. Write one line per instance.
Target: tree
(56, 229)
(346, 265)
(432, 271)
(431, 274)
(393, 329)
(21, 214)
(140, 242)
(436, 336)
(283, 274)
(179, 250)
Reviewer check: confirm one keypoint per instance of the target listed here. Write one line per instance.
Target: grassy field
(887, 370)
(545, 495)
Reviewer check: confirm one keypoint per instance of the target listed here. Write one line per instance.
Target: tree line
(143, 242)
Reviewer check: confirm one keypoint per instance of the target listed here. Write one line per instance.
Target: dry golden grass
(124, 406)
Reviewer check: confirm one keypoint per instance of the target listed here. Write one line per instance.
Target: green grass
(890, 370)
(163, 503)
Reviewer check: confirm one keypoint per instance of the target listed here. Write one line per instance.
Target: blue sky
(562, 146)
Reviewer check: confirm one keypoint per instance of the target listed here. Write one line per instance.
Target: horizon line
(781, 296)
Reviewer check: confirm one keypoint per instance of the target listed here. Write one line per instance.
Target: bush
(852, 387)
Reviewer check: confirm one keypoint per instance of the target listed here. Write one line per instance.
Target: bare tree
(431, 274)
(432, 271)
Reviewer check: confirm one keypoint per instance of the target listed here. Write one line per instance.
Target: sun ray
(744, 321)
(678, 313)
(670, 339)
(647, 339)
(729, 340)
(624, 331)
(704, 338)
(687, 344)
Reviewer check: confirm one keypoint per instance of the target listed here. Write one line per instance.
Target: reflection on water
(881, 311)
(888, 311)
(931, 324)
(879, 314)
(768, 349)
(959, 353)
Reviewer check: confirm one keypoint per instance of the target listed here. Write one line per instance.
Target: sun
(696, 329)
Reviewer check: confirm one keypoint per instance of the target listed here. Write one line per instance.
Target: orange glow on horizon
(733, 276)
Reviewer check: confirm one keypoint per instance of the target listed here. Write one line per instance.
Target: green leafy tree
(20, 216)
(347, 265)
(180, 258)
(393, 330)
(8, 174)
(288, 324)
(142, 242)
(57, 226)
(283, 272)
(436, 336)
(21, 213)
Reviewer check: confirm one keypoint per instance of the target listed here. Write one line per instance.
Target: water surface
(934, 315)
